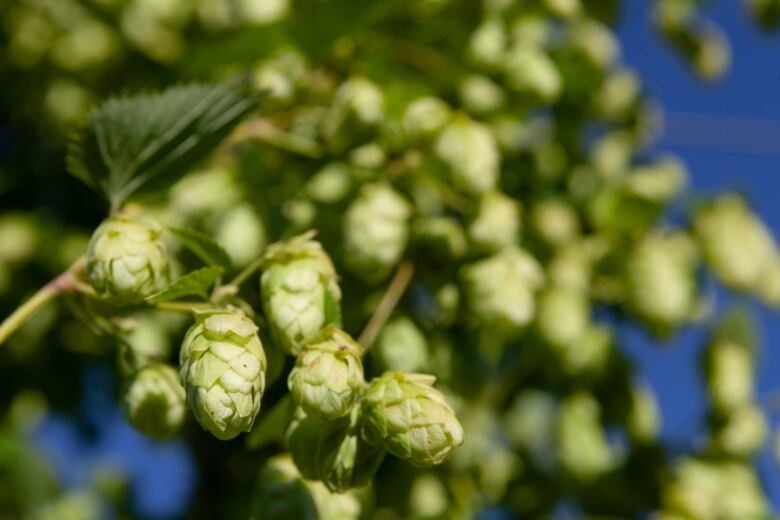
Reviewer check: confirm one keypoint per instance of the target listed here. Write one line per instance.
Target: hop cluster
(154, 401)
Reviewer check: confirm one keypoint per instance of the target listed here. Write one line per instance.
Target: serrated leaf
(194, 283)
(203, 246)
(148, 141)
(272, 426)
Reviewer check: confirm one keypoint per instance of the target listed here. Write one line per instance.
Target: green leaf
(738, 325)
(203, 246)
(195, 283)
(148, 141)
(272, 426)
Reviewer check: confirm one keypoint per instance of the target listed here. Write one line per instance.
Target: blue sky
(728, 133)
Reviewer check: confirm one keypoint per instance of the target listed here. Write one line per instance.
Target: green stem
(187, 307)
(387, 304)
(63, 283)
(247, 272)
(262, 130)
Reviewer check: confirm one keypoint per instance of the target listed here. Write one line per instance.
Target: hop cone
(223, 371)
(402, 346)
(582, 448)
(299, 291)
(425, 117)
(728, 371)
(126, 260)
(660, 284)
(714, 489)
(154, 401)
(282, 494)
(376, 231)
(531, 72)
(741, 433)
(328, 375)
(500, 290)
(410, 418)
(736, 244)
(333, 451)
(470, 152)
(496, 224)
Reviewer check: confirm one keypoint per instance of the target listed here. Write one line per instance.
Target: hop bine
(126, 260)
(411, 419)
(223, 371)
(328, 375)
(299, 291)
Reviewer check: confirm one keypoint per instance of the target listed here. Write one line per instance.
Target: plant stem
(180, 306)
(247, 272)
(263, 130)
(387, 304)
(63, 283)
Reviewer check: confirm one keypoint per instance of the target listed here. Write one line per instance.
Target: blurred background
(65, 448)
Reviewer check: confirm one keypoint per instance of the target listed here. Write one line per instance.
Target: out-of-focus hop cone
(154, 401)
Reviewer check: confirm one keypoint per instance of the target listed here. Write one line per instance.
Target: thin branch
(387, 304)
(264, 131)
(63, 283)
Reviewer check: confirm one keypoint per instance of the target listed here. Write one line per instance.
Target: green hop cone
(425, 117)
(728, 372)
(582, 448)
(555, 222)
(563, 317)
(702, 489)
(328, 375)
(661, 281)
(376, 231)
(126, 260)
(154, 401)
(737, 246)
(300, 292)
(333, 452)
(531, 72)
(496, 224)
(499, 290)
(410, 418)
(281, 493)
(471, 155)
(402, 346)
(741, 433)
(223, 371)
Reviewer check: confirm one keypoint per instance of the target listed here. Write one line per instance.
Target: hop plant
(333, 452)
(328, 375)
(154, 401)
(300, 292)
(223, 372)
(411, 419)
(376, 231)
(126, 260)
